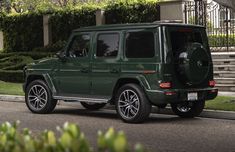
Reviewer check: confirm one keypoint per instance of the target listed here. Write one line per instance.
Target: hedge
(11, 75)
(64, 21)
(33, 55)
(11, 64)
(132, 12)
(221, 40)
(22, 32)
(71, 139)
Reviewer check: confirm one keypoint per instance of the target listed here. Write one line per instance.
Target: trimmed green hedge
(221, 40)
(71, 139)
(11, 75)
(33, 55)
(15, 62)
(22, 32)
(64, 21)
(132, 12)
(12, 64)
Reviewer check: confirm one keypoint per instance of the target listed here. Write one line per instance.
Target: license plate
(192, 96)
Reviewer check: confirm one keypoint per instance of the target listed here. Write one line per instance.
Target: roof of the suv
(131, 26)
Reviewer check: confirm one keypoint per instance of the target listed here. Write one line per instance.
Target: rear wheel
(131, 104)
(92, 106)
(188, 109)
(38, 97)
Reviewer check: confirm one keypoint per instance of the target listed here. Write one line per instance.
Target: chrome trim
(64, 70)
(157, 91)
(39, 69)
(81, 99)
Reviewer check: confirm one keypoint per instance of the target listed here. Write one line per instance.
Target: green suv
(132, 66)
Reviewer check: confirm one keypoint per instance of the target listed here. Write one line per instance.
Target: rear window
(140, 45)
(180, 38)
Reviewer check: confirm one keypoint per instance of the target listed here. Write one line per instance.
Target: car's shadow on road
(111, 114)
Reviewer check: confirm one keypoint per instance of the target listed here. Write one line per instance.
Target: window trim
(96, 43)
(153, 31)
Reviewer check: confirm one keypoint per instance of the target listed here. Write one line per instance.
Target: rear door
(105, 63)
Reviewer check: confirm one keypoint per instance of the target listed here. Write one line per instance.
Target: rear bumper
(179, 95)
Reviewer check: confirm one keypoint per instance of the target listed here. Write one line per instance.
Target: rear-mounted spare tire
(193, 64)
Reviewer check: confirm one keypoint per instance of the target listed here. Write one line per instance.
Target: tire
(93, 106)
(188, 109)
(193, 64)
(132, 106)
(38, 98)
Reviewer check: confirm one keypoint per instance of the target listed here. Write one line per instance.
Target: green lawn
(11, 88)
(220, 103)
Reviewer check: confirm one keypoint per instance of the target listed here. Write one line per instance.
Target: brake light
(165, 85)
(212, 83)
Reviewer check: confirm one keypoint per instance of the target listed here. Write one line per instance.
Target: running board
(81, 99)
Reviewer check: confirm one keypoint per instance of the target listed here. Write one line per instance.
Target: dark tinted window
(140, 45)
(107, 45)
(180, 38)
(79, 46)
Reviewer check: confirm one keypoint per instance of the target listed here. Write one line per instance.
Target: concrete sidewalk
(217, 114)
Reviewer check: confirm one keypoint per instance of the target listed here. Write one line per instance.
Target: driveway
(161, 133)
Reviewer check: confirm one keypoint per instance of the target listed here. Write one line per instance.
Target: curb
(216, 114)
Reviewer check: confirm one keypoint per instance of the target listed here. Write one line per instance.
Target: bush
(22, 32)
(15, 62)
(55, 47)
(12, 64)
(132, 12)
(221, 40)
(33, 55)
(64, 21)
(11, 75)
(71, 139)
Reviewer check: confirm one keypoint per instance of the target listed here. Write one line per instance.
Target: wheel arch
(44, 77)
(125, 80)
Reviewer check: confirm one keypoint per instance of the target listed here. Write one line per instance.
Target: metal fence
(219, 21)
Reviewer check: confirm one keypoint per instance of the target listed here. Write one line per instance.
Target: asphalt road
(161, 133)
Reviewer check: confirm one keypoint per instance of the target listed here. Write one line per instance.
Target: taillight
(212, 83)
(165, 85)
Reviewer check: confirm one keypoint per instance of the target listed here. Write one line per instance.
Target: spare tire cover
(193, 64)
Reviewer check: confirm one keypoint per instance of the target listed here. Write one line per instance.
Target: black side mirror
(61, 55)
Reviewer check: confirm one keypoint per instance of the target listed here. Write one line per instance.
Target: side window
(139, 45)
(79, 46)
(107, 45)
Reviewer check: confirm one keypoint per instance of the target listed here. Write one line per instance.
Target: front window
(79, 46)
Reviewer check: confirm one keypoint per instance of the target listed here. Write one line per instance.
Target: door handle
(114, 71)
(84, 70)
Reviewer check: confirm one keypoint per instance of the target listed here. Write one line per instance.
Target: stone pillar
(1, 41)
(100, 17)
(172, 10)
(46, 30)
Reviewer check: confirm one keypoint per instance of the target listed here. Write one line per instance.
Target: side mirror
(61, 55)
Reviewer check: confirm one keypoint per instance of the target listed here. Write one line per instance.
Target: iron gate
(218, 19)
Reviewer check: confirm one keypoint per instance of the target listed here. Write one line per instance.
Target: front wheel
(188, 109)
(131, 104)
(38, 97)
(92, 106)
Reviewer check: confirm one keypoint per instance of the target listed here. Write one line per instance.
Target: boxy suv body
(133, 66)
